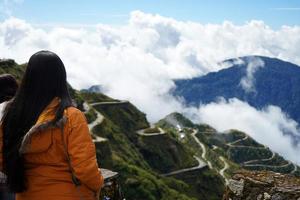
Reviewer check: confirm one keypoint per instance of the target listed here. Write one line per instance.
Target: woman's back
(46, 168)
(45, 142)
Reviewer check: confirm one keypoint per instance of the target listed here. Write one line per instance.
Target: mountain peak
(268, 61)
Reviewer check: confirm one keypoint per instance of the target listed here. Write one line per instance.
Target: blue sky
(274, 13)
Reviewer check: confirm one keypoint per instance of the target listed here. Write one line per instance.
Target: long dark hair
(8, 87)
(44, 79)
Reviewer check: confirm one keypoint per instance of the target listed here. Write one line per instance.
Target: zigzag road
(142, 132)
(202, 147)
(247, 163)
(265, 159)
(99, 118)
(226, 165)
(222, 171)
(200, 165)
(109, 103)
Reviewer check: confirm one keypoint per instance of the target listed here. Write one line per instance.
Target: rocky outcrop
(266, 185)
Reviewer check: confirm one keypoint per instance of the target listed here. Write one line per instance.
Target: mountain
(260, 81)
(95, 89)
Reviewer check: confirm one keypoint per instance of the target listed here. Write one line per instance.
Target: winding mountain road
(248, 163)
(94, 123)
(258, 160)
(100, 117)
(222, 171)
(109, 103)
(142, 132)
(226, 165)
(97, 121)
(236, 141)
(272, 166)
(200, 165)
(202, 147)
(295, 169)
(232, 144)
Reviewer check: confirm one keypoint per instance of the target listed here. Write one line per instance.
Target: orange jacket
(47, 172)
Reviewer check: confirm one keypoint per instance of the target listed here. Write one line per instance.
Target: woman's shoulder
(73, 110)
(75, 115)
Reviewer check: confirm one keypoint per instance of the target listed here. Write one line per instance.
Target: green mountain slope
(234, 148)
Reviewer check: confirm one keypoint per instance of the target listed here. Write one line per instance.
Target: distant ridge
(275, 82)
(95, 89)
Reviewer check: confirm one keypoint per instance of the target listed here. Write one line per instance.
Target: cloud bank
(266, 126)
(139, 61)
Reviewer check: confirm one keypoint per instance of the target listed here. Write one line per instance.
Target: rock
(267, 196)
(259, 197)
(276, 197)
(236, 187)
(262, 185)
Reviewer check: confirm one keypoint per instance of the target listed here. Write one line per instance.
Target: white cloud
(248, 81)
(266, 126)
(139, 60)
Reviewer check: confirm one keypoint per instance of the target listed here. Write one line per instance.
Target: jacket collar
(49, 112)
(45, 121)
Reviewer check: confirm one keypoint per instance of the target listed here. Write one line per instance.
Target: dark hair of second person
(8, 87)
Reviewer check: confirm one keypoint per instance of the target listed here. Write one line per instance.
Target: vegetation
(204, 184)
(142, 184)
(126, 116)
(92, 97)
(151, 130)
(10, 67)
(164, 154)
(243, 154)
(174, 119)
(91, 115)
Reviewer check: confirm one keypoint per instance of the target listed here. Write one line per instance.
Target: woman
(48, 152)
(8, 88)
